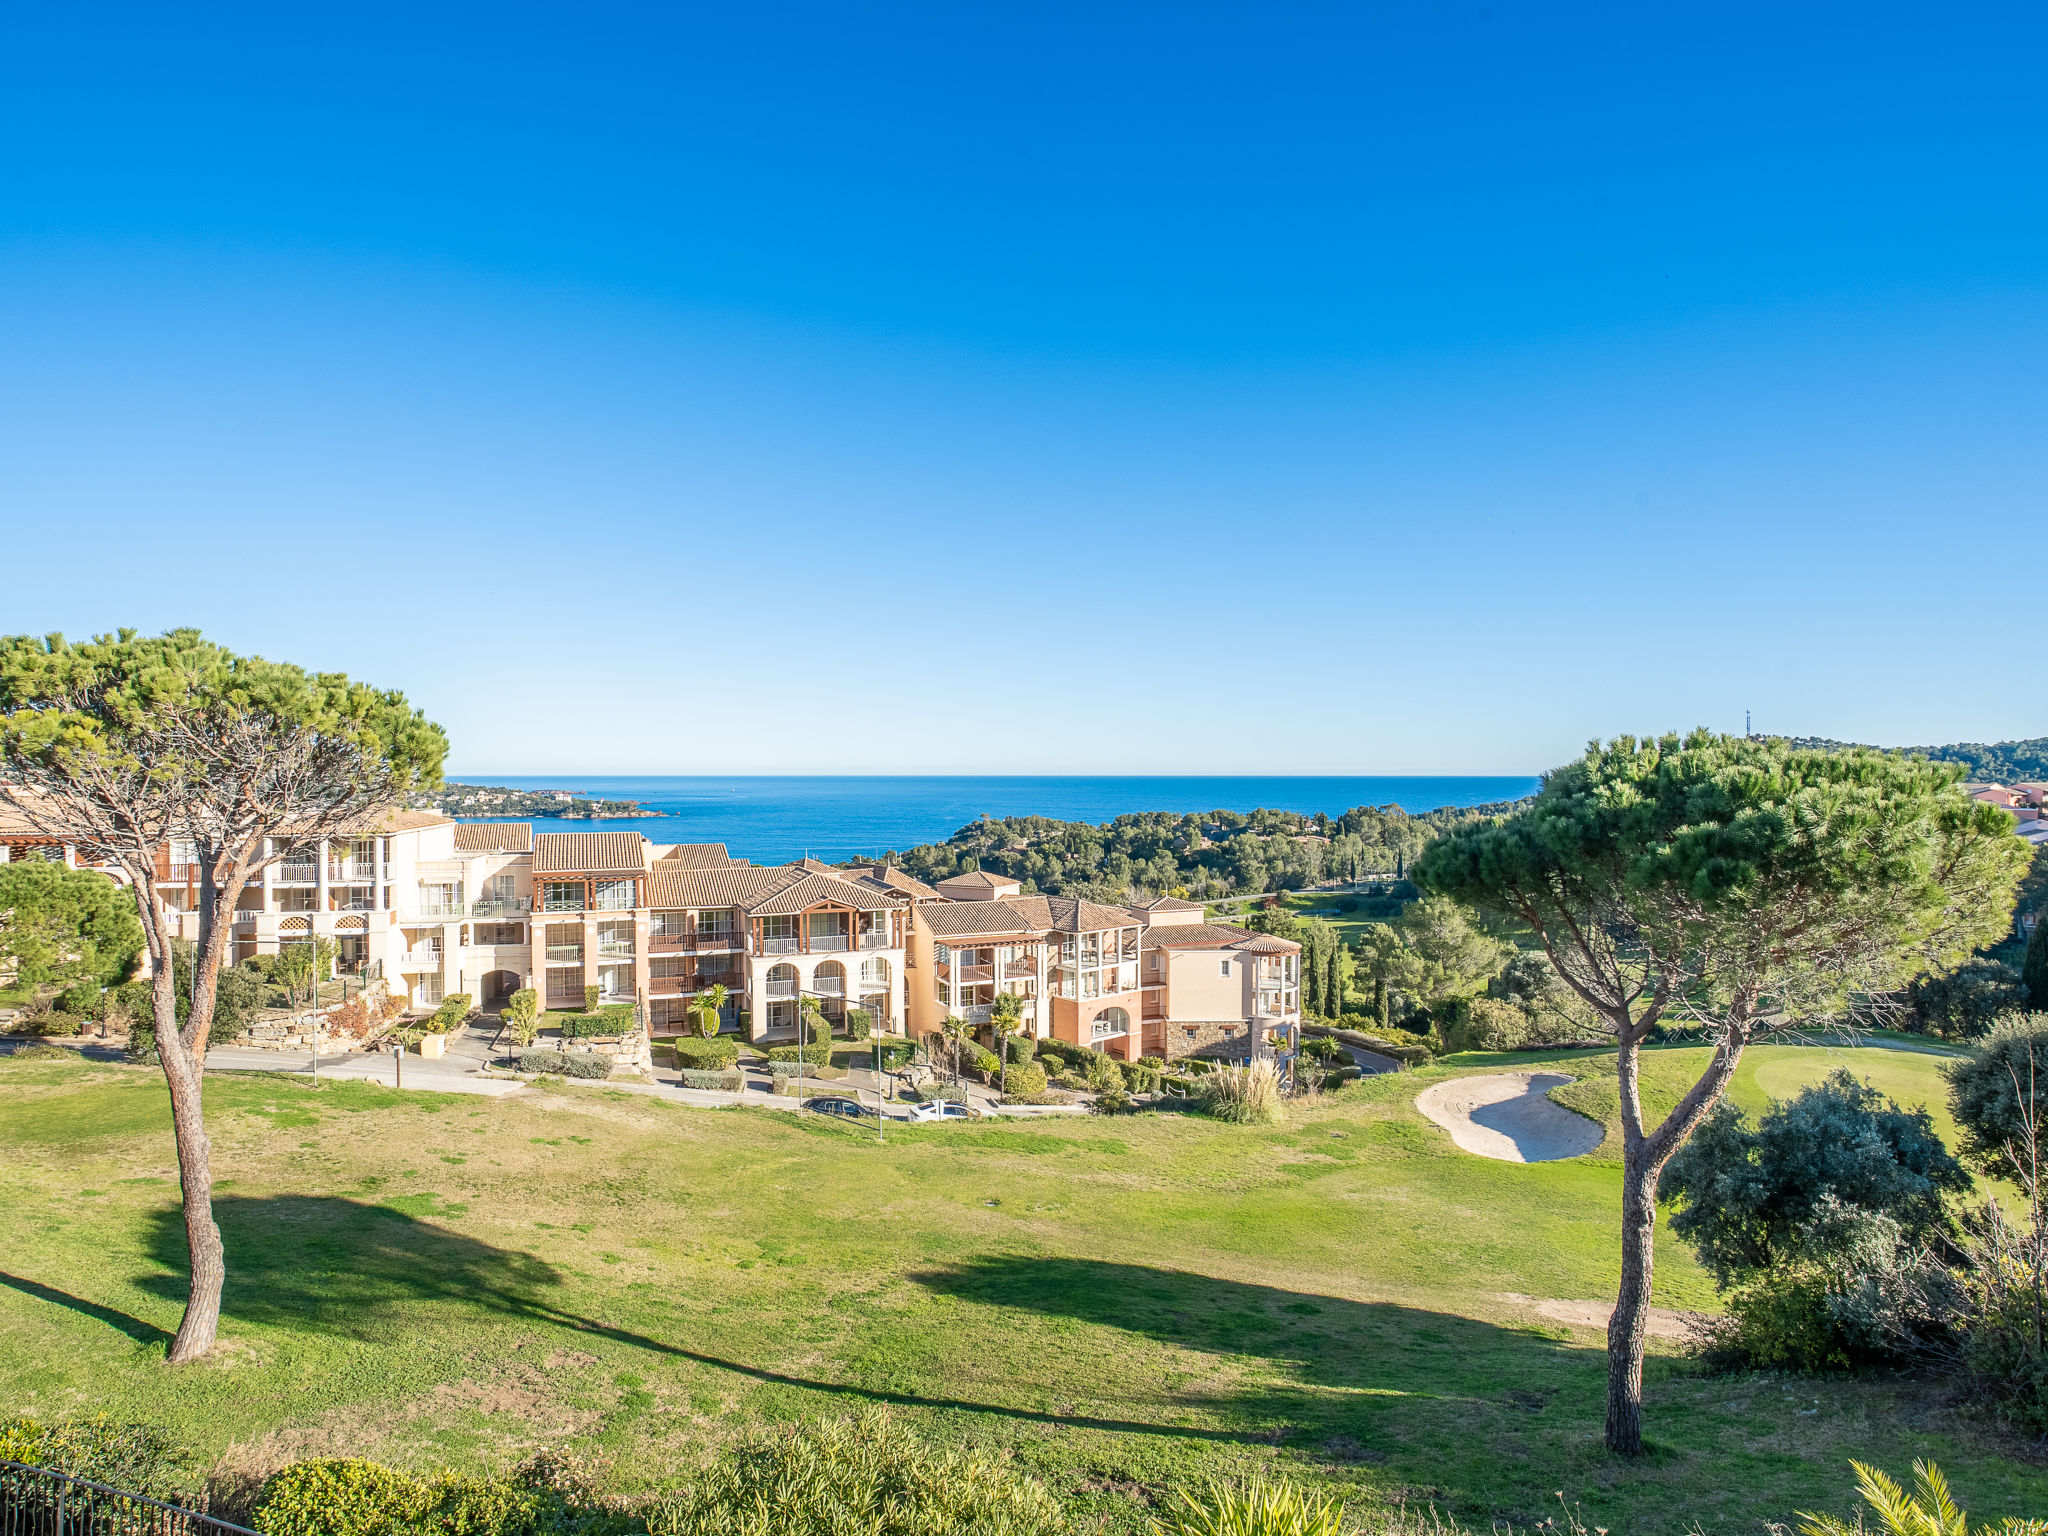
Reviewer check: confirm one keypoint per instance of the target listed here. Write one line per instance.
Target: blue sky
(1083, 389)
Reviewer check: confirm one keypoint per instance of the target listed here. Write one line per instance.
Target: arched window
(829, 979)
(874, 974)
(781, 981)
(1110, 1023)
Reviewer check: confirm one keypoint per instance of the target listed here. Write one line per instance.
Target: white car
(945, 1109)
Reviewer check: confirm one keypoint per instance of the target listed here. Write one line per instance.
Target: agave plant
(1256, 1508)
(1930, 1511)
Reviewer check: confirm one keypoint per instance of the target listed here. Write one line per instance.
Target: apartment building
(1148, 980)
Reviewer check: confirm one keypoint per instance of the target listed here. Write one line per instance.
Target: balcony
(363, 904)
(668, 944)
(565, 954)
(497, 906)
(778, 946)
(875, 941)
(420, 960)
(615, 949)
(668, 986)
(1020, 970)
(440, 909)
(351, 874)
(829, 943)
(829, 986)
(716, 938)
(778, 989)
(292, 874)
(186, 874)
(561, 904)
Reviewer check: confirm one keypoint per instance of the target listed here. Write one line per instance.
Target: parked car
(945, 1109)
(847, 1107)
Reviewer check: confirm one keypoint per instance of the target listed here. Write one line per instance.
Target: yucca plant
(1256, 1508)
(1930, 1511)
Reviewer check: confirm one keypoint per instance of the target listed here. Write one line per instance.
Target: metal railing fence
(34, 1501)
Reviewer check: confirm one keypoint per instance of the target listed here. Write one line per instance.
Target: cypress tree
(2034, 969)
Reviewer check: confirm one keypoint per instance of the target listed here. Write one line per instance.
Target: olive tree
(121, 745)
(1745, 885)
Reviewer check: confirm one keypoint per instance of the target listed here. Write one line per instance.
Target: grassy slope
(440, 1280)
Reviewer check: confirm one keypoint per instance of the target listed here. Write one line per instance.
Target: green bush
(716, 1053)
(1256, 1508)
(1060, 1051)
(566, 1063)
(729, 1081)
(142, 1041)
(1027, 1081)
(1020, 1049)
(360, 1498)
(979, 1058)
(590, 996)
(819, 1052)
(1115, 1102)
(605, 1024)
(1139, 1078)
(134, 1457)
(895, 1054)
(1488, 1024)
(453, 1010)
(52, 1025)
(864, 1474)
(793, 1069)
(521, 1015)
(1156, 1063)
(1104, 1073)
(88, 1000)
(36, 1050)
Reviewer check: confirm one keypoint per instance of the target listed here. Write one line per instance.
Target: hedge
(50, 1025)
(781, 1069)
(730, 1082)
(453, 1010)
(606, 1023)
(1020, 1049)
(1027, 1080)
(142, 1042)
(705, 1055)
(566, 1063)
(820, 1053)
(895, 1053)
(360, 1498)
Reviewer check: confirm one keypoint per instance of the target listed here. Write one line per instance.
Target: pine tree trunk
(1627, 1329)
(195, 1175)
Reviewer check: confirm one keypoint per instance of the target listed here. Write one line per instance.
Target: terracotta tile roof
(495, 837)
(698, 856)
(1167, 904)
(810, 889)
(978, 880)
(675, 885)
(1214, 936)
(951, 919)
(396, 821)
(896, 880)
(607, 853)
(1070, 914)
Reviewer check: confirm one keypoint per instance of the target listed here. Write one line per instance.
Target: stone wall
(1205, 1037)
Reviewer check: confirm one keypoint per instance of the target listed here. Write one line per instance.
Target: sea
(773, 820)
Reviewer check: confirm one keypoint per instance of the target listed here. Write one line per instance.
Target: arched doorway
(498, 989)
(1110, 1032)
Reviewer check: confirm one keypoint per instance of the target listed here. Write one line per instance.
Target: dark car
(846, 1107)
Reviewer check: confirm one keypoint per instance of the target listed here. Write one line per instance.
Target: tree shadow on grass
(136, 1329)
(347, 1267)
(1310, 1368)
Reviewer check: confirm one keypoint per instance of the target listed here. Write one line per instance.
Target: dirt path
(1664, 1323)
(1505, 1115)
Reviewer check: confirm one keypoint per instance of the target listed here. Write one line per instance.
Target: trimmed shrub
(142, 1041)
(729, 1082)
(1104, 1073)
(820, 1052)
(52, 1025)
(566, 1063)
(590, 996)
(714, 1054)
(862, 1474)
(1027, 1080)
(453, 1010)
(521, 1015)
(605, 1024)
(1243, 1095)
(1116, 1102)
(1020, 1049)
(978, 1058)
(1156, 1063)
(895, 1054)
(1139, 1078)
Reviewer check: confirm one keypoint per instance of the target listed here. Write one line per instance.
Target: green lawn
(1124, 1303)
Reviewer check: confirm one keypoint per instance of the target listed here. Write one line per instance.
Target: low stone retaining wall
(628, 1053)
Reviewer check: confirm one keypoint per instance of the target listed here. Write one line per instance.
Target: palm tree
(955, 1030)
(1005, 1019)
(707, 1005)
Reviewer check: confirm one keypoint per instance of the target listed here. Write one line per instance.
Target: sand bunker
(1506, 1115)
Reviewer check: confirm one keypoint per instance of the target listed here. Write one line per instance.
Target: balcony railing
(294, 874)
(828, 943)
(564, 953)
(561, 903)
(353, 906)
(441, 909)
(778, 946)
(716, 938)
(779, 989)
(875, 941)
(621, 949)
(186, 872)
(351, 874)
(497, 906)
(420, 960)
(829, 986)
